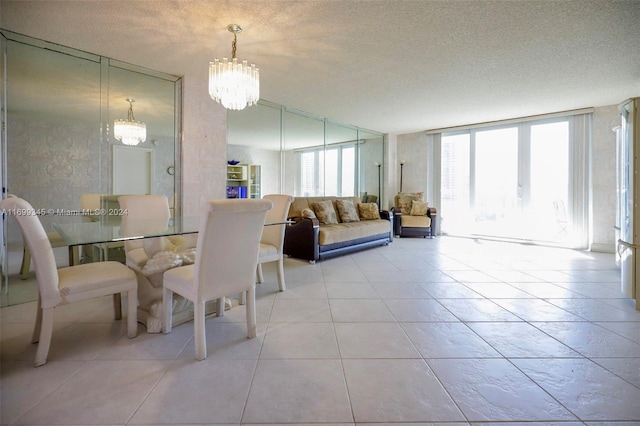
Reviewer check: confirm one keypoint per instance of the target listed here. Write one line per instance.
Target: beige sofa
(310, 239)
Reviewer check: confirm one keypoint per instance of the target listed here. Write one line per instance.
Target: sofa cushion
(368, 211)
(298, 205)
(416, 221)
(325, 212)
(301, 203)
(308, 214)
(337, 233)
(419, 208)
(347, 211)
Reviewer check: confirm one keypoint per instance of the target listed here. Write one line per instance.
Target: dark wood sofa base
(301, 241)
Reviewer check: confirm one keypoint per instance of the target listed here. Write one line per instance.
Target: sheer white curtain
(580, 130)
(434, 173)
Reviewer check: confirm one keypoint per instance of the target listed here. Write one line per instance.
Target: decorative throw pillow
(325, 212)
(368, 211)
(406, 199)
(308, 214)
(418, 208)
(347, 211)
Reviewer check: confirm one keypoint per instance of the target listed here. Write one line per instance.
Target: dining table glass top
(77, 231)
(81, 232)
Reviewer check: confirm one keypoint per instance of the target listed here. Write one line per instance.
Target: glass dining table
(82, 232)
(109, 233)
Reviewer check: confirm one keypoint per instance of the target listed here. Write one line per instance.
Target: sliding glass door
(507, 182)
(496, 187)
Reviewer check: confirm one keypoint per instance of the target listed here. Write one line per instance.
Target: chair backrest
(228, 245)
(144, 214)
(274, 234)
(39, 246)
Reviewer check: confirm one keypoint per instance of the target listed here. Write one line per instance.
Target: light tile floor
(445, 331)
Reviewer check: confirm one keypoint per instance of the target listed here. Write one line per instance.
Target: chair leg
(132, 313)
(281, 283)
(167, 310)
(45, 337)
(74, 255)
(220, 307)
(26, 264)
(35, 337)
(117, 306)
(242, 298)
(259, 273)
(251, 312)
(199, 330)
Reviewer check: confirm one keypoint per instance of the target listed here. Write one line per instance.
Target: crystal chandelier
(232, 84)
(130, 131)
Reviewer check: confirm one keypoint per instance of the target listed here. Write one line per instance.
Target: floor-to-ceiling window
(516, 181)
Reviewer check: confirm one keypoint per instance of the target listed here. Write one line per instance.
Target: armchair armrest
(389, 215)
(301, 239)
(397, 220)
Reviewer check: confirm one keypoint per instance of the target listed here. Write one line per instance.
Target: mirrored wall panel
(59, 149)
(302, 154)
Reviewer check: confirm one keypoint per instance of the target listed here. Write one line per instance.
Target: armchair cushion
(347, 211)
(415, 221)
(404, 201)
(418, 208)
(325, 212)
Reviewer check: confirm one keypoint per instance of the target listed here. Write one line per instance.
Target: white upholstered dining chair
(272, 239)
(225, 264)
(70, 284)
(56, 241)
(150, 214)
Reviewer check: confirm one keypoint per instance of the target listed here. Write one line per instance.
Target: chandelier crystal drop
(130, 131)
(232, 84)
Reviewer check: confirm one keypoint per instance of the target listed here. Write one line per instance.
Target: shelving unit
(236, 173)
(244, 181)
(255, 181)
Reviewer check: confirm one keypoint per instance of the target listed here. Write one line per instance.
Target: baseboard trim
(603, 248)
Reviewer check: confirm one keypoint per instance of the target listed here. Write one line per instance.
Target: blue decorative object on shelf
(232, 162)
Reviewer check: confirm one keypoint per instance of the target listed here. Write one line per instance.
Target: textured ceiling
(390, 66)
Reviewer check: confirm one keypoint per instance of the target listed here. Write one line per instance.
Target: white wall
(412, 149)
(267, 159)
(603, 178)
(204, 147)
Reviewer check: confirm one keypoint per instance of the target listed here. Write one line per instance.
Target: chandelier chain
(233, 45)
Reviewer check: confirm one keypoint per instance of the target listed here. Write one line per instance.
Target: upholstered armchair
(412, 216)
